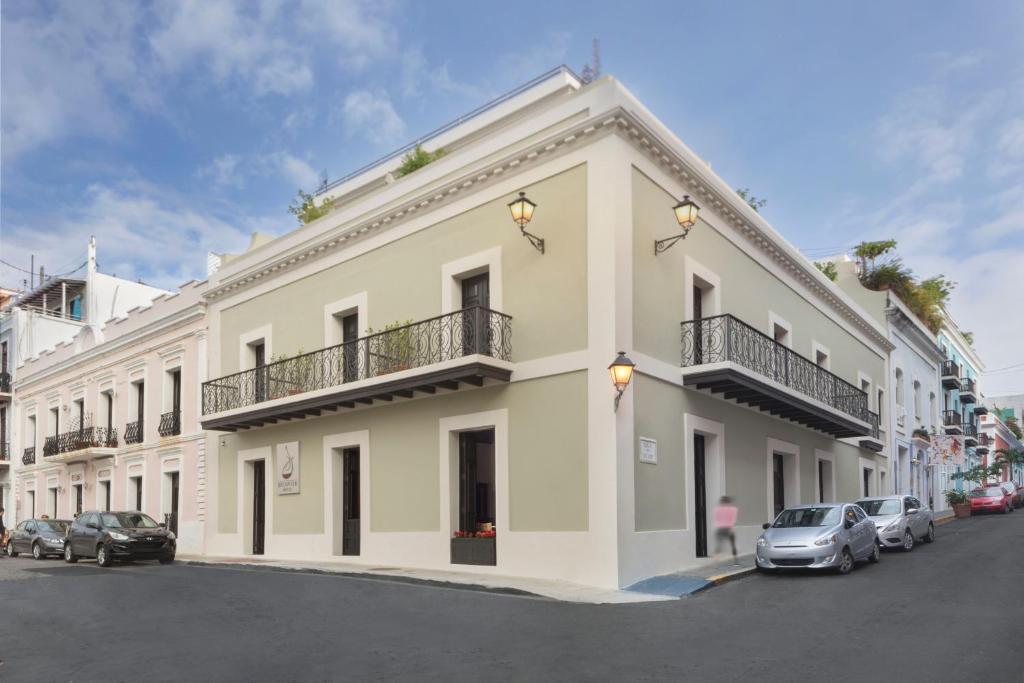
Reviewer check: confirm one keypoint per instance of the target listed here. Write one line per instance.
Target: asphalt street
(950, 611)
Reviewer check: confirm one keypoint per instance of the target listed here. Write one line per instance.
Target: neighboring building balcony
(170, 423)
(133, 432)
(970, 434)
(984, 442)
(5, 386)
(950, 373)
(80, 445)
(725, 355)
(5, 454)
(952, 422)
(980, 410)
(968, 391)
(29, 456)
(873, 442)
(467, 346)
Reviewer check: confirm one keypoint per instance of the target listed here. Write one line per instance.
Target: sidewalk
(509, 585)
(688, 582)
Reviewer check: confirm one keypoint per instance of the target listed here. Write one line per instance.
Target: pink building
(110, 419)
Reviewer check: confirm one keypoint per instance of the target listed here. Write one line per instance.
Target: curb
(939, 521)
(731, 576)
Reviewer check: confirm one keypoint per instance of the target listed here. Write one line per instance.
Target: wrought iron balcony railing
(950, 368)
(725, 338)
(170, 423)
(984, 439)
(951, 418)
(5, 382)
(971, 430)
(474, 330)
(873, 420)
(133, 432)
(80, 439)
(967, 386)
(29, 456)
(5, 450)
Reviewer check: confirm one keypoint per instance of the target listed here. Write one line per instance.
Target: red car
(991, 499)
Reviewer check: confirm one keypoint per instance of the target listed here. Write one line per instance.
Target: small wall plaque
(648, 451)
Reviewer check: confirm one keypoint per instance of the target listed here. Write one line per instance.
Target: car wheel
(908, 541)
(103, 557)
(1006, 510)
(167, 560)
(69, 554)
(876, 553)
(37, 551)
(930, 536)
(10, 549)
(845, 562)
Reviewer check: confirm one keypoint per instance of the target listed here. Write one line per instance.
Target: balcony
(133, 432)
(980, 410)
(468, 346)
(29, 456)
(5, 386)
(170, 423)
(984, 441)
(952, 422)
(725, 355)
(950, 374)
(80, 445)
(970, 434)
(968, 391)
(5, 453)
(873, 442)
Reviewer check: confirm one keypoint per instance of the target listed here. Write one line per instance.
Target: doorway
(698, 329)
(778, 483)
(258, 506)
(136, 489)
(700, 497)
(866, 477)
(350, 505)
(476, 295)
(104, 497)
(171, 493)
(78, 499)
(475, 537)
(350, 348)
(30, 504)
(826, 492)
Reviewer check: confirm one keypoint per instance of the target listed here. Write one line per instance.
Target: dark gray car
(41, 537)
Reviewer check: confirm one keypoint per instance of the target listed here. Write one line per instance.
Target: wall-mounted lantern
(621, 370)
(686, 212)
(522, 213)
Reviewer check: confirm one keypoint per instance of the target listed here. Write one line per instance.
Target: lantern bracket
(665, 244)
(537, 242)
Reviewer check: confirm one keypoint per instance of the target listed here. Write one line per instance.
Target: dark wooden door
(106, 496)
(698, 326)
(176, 391)
(821, 481)
(350, 502)
(476, 296)
(350, 348)
(172, 523)
(700, 497)
(467, 482)
(778, 483)
(138, 493)
(78, 499)
(258, 506)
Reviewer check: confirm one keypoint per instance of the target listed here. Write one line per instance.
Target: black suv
(110, 536)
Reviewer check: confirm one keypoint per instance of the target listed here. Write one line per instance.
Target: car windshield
(991, 492)
(807, 517)
(57, 526)
(880, 508)
(128, 520)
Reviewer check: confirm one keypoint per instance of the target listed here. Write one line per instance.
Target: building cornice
(765, 241)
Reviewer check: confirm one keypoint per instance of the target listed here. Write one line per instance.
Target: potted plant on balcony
(921, 434)
(392, 347)
(959, 501)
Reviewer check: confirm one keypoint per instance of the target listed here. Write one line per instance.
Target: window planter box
(478, 551)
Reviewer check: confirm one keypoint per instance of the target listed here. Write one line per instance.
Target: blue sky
(169, 129)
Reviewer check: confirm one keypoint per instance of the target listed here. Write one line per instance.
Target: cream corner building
(409, 369)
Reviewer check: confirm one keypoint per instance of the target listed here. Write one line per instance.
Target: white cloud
(233, 170)
(372, 115)
(419, 78)
(223, 171)
(297, 171)
(360, 31)
(142, 232)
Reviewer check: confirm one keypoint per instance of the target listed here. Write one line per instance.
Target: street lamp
(522, 213)
(686, 212)
(621, 370)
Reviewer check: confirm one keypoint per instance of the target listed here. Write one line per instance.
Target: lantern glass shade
(686, 212)
(522, 210)
(621, 371)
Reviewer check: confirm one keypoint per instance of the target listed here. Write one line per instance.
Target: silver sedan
(901, 521)
(826, 536)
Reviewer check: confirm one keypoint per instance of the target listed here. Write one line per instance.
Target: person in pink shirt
(725, 515)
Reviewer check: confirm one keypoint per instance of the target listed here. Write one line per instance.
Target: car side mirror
(766, 525)
(848, 523)
(162, 525)
(93, 525)
(912, 511)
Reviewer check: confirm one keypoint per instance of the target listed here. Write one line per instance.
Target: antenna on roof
(592, 71)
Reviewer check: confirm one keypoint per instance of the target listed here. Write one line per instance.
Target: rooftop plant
(305, 208)
(880, 269)
(828, 269)
(753, 202)
(416, 159)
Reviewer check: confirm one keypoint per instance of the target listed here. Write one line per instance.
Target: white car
(901, 521)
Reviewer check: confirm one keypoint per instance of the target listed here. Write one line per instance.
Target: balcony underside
(768, 397)
(950, 382)
(980, 410)
(872, 444)
(967, 397)
(81, 455)
(473, 374)
(953, 430)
